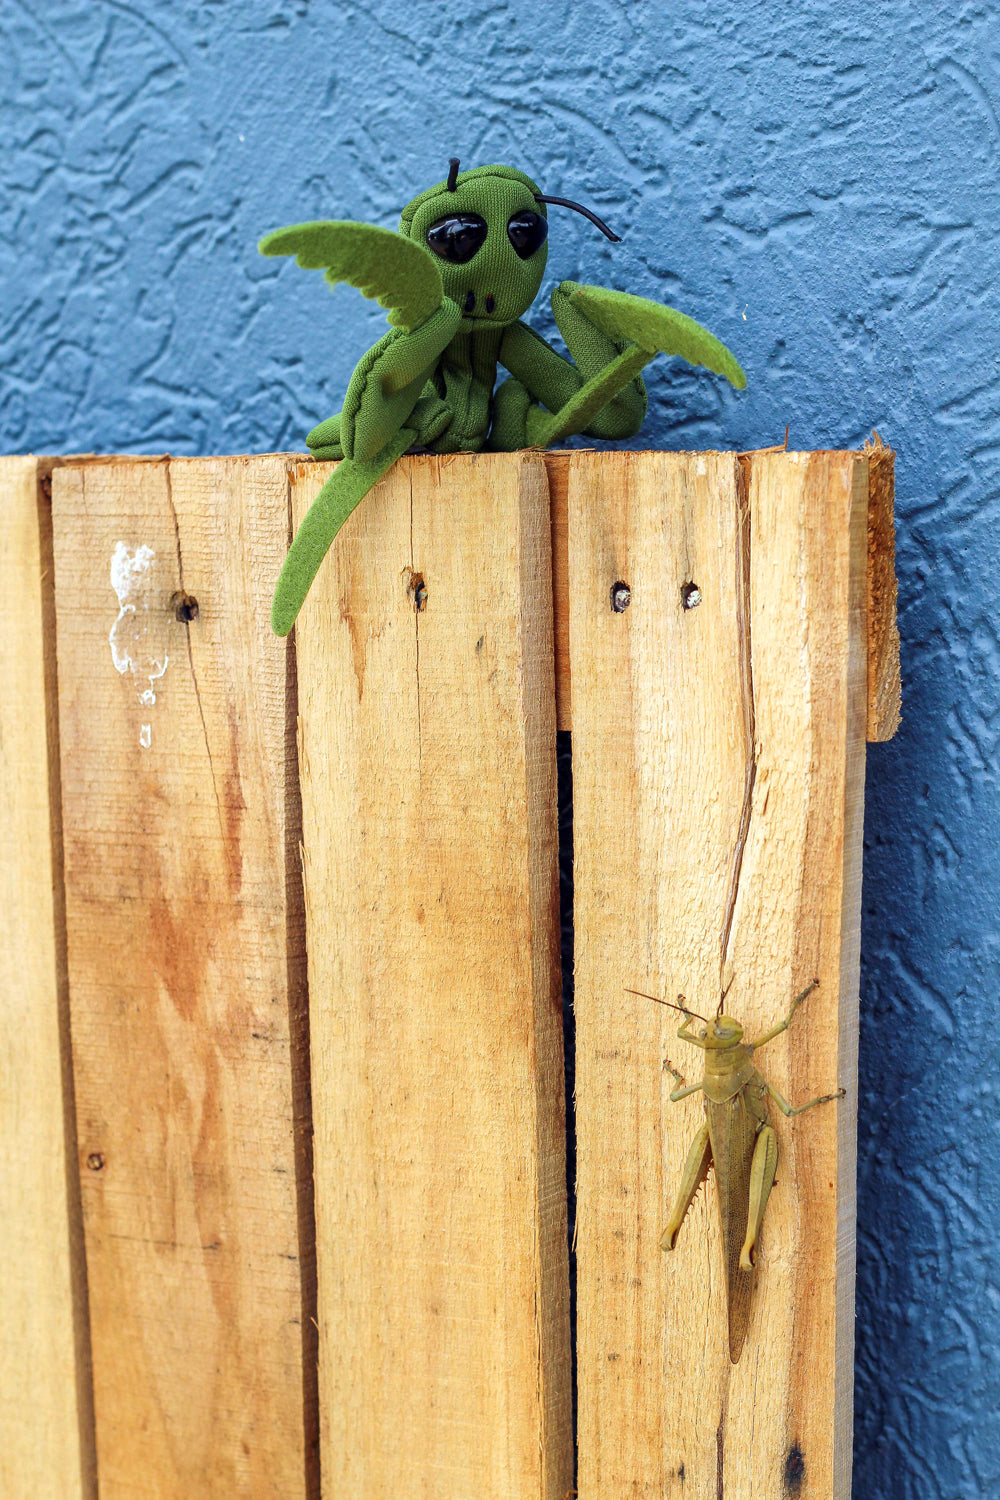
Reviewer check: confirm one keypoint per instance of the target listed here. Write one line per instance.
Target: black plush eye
(526, 232)
(458, 237)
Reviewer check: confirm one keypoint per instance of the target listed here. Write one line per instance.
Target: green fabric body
(388, 382)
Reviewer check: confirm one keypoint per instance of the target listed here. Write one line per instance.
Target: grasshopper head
(723, 1031)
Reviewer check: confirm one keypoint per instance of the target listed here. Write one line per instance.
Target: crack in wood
(745, 635)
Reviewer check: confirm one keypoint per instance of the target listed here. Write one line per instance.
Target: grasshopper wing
(396, 272)
(733, 1133)
(655, 328)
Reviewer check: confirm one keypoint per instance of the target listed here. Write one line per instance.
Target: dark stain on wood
(795, 1471)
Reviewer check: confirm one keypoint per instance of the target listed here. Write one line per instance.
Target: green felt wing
(652, 326)
(396, 272)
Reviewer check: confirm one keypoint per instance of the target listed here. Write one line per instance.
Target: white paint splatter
(138, 638)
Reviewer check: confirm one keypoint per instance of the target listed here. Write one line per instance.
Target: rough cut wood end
(884, 686)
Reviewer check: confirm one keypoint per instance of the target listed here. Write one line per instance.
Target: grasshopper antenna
(682, 1008)
(722, 998)
(614, 238)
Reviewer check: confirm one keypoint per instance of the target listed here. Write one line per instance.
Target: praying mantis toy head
(489, 230)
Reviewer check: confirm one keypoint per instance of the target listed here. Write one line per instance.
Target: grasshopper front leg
(769, 1036)
(699, 1159)
(683, 1089)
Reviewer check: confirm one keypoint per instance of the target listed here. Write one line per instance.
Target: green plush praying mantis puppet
(457, 279)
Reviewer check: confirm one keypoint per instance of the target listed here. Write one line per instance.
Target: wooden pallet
(283, 1090)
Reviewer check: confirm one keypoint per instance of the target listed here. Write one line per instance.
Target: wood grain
(718, 783)
(46, 1439)
(186, 974)
(428, 783)
(884, 689)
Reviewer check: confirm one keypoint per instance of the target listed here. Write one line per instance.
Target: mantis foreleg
(762, 1170)
(699, 1159)
(585, 410)
(346, 487)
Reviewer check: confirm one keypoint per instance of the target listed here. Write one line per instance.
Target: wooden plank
(884, 691)
(672, 708)
(186, 973)
(46, 1439)
(557, 469)
(428, 780)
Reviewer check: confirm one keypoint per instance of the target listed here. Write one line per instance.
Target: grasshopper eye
(527, 232)
(458, 237)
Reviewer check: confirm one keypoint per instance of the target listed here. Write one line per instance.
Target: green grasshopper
(737, 1140)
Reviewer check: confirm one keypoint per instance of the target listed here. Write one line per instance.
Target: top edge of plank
(49, 461)
(884, 690)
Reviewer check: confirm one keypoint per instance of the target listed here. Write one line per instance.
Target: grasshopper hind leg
(699, 1159)
(762, 1170)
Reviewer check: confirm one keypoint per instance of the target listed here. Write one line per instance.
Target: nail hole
(621, 597)
(95, 1161)
(417, 589)
(184, 606)
(690, 595)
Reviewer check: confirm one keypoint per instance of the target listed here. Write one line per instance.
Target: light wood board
(428, 782)
(690, 873)
(186, 975)
(884, 688)
(45, 1429)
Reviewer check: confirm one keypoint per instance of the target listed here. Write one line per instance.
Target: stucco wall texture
(818, 183)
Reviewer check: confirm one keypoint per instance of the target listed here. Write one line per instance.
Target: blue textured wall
(819, 184)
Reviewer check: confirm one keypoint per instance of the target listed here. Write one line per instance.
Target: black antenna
(682, 1008)
(453, 174)
(616, 239)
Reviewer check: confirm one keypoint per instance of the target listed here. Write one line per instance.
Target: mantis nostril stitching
(490, 304)
(470, 301)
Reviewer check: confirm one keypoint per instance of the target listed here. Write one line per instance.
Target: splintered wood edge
(884, 691)
(884, 687)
